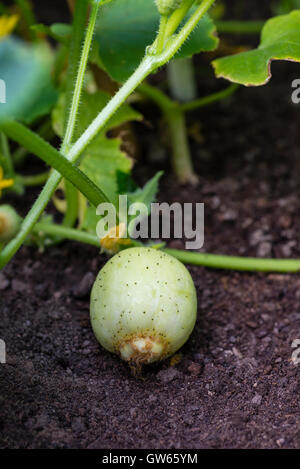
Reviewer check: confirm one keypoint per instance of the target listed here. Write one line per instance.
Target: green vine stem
(182, 80)
(45, 131)
(147, 66)
(210, 99)
(239, 27)
(76, 71)
(78, 28)
(31, 219)
(214, 261)
(160, 41)
(5, 156)
(34, 180)
(177, 17)
(175, 117)
(28, 15)
(150, 63)
(71, 196)
(35, 144)
(246, 264)
(79, 80)
(181, 157)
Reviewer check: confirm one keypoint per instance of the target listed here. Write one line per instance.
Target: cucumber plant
(155, 309)
(59, 91)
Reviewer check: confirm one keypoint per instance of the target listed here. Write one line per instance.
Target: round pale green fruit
(143, 305)
(10, 223)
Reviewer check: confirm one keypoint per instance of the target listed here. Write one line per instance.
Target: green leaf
(101, 162)
(280, 40)
(126, 27)
(125, 183)
(203, 39)
(25, 81)
(43, 103)
(145, 196)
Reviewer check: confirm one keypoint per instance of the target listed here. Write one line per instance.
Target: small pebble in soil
(19, 286)
(4, 282)
(257, 399)
(78, 425)
(168, 375)
(83, 289)
(194, 369)
(264, 249)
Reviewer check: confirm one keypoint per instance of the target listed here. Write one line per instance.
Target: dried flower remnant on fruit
(114, 239)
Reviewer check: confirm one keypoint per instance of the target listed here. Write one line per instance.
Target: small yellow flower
(113, 240)
(7, 24)
(4, 183)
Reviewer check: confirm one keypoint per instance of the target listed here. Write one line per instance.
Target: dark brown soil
(234, 384)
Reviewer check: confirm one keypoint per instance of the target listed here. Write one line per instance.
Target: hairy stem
(71, 192)
(147, 66)
(78, 28)
(186, 30)
(79, 80)
(160, 41)
(177, 17)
